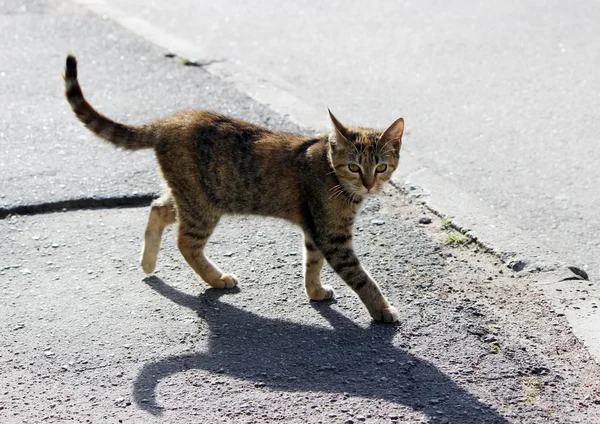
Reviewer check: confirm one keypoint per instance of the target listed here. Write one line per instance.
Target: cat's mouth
(363, 191)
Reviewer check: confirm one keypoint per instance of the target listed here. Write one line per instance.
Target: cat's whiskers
(349, 199)
(335, 187)
(353, 198)
(334, 193)
(337, 191)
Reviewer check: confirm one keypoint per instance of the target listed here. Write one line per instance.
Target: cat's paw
(227, 281)
(389, 314)
(148, 264)
(324, 292)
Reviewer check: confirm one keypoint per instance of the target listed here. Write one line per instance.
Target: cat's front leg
(162, 214)
(313, 262)
(342, 258)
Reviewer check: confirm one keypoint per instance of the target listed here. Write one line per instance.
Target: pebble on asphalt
(424, 220)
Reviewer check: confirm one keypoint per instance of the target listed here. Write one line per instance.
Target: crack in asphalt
(79, 204)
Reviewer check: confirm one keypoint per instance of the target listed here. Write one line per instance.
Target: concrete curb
(567, 287)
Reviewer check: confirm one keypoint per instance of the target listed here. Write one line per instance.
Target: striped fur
(125, 136)
(216, 165)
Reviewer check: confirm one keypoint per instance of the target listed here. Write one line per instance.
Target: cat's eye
(381, 168)
(353, 167)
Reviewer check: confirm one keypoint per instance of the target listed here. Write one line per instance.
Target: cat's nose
(369, 186)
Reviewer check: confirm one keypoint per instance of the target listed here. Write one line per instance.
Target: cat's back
(240, 167)
(211, 135)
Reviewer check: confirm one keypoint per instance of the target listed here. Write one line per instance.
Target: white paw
(148, 264)
(227, 281)
(386, 315)
(324, 292)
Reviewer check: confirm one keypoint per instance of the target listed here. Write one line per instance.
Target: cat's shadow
(294, 357)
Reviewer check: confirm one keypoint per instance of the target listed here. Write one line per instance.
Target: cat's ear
(393, 135)
(339, 133)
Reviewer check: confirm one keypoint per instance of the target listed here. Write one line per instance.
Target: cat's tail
(130, 137)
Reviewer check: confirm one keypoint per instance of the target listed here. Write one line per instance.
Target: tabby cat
(215, 165)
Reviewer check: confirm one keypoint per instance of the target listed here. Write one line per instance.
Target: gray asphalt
(47, 160)
(499, 101)
(85, 336)
(499, 98)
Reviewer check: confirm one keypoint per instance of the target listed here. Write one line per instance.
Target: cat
(215, 165)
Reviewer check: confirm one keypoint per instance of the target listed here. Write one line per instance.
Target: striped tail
(128, 137)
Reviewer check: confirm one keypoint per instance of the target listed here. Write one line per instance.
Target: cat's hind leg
(313, 262)
(192, 238)
(162, 214)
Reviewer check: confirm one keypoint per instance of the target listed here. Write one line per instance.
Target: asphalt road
(46, 160)
(85, 336)
(499, 97)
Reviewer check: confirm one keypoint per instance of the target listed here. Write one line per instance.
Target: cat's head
(364, 159)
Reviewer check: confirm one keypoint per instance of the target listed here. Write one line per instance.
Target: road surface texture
(500, 96)
(498, 99)
(86, 337)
